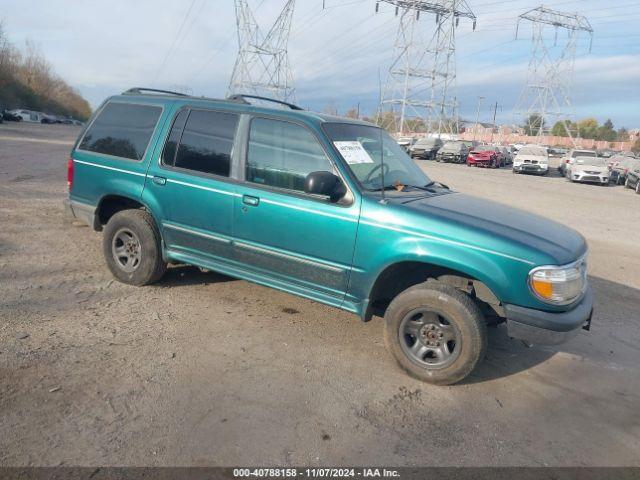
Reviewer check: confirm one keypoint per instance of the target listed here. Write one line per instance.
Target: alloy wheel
(126, 250)
(429, 338)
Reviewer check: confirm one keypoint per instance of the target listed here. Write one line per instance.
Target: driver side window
(282, 154)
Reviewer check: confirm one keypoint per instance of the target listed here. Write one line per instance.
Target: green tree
(606, 132)
(533, 125)
(560, 128)
(588, 128)
(622, 135)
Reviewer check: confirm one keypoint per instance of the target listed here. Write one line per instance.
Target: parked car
(557, 152)
(11, 117)
(620, 167)
(471, 144)
(46, 118)
(589, 170)
(483, 156)
(633, 179)
(567, 161)
(454, 152)
(28, 115)
(507, 155)
(406, 142)
(531, 159)
(331, 210)
(426, 148)
(606, 153)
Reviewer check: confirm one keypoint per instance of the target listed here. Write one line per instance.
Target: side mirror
(325, 183)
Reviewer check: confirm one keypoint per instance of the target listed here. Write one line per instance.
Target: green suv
(327, 208)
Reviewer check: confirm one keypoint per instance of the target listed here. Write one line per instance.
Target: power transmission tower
(262, 66)
(420, 86)
(546, 97)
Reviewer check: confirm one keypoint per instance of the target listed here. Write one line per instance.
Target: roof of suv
(236, 103)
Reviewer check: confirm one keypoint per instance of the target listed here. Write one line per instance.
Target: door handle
(159, 180)
(250, 200)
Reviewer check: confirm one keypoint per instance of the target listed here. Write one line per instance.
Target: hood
(483, 153)
(490, 224)
(589, 168)
(531, 158)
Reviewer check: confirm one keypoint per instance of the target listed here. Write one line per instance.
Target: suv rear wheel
(131, 246)
(435, 332)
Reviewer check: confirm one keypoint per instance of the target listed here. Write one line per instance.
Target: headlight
(559, 285)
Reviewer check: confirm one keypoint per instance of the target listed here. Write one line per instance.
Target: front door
(190, 185)
(293, 237)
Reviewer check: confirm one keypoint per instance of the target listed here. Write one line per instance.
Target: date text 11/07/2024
(315, 473)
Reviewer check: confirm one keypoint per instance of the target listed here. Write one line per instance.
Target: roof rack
(240, 97)
(152, 90)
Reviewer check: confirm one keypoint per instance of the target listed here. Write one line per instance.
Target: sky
(338, 54)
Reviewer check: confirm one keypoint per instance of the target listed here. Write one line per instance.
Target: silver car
(589, 170)
(567, 161)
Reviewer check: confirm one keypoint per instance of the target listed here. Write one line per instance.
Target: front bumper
(480, 163)
(423, 153)
(590, 178)
(549, 328)
(448, 157)
(531, 168)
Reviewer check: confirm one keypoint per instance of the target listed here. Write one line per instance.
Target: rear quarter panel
(97, 175)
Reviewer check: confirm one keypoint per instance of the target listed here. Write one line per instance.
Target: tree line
(589, 128)
(27, 80)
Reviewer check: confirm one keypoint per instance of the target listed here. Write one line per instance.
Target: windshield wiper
(431, 183)
(380, 189)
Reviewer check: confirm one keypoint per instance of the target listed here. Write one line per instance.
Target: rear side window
(122, 130)
(282, 154)
(206, 142)
(171, 147)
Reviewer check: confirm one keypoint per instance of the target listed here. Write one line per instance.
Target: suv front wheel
(132, 248)
(435, 332)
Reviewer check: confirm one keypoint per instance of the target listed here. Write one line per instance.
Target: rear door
(189, 186)
(281, 231)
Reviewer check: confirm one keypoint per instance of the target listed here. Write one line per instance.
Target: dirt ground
(202, 369)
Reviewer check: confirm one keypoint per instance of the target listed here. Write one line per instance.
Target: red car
(484, 156)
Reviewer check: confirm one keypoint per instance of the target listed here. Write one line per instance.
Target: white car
(589, 169)
(570, 158)
(406, 142)
(28, 115)
(531, 159)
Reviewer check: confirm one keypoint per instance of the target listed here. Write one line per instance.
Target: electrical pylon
(262, 66)
(421, 80)
(546, 97)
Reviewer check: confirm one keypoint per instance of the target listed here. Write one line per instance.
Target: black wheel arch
(400, 276)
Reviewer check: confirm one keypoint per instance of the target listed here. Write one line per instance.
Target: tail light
(566, 161)
(70, 174)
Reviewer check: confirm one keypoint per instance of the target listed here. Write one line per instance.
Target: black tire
(144, 264)
(626, 183)
(455, 312)
(638, 187)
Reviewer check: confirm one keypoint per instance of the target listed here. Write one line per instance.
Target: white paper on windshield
(353, 152)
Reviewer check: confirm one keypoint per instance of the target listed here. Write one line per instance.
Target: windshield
(360, 147)
(594, 162)
(485, 148)
(583, 153)
(534, 151)
(454, 146)
(426, 141)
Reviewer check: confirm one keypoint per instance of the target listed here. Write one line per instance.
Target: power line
(175, 39)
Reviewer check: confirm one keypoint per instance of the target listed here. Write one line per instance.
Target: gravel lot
(202, 369)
